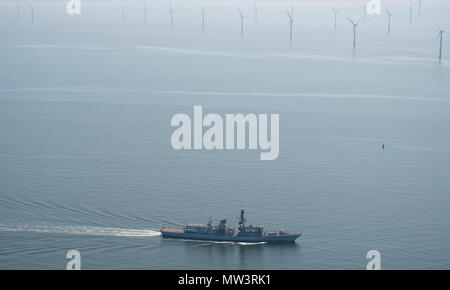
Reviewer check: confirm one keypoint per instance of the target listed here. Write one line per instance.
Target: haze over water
(86, 161)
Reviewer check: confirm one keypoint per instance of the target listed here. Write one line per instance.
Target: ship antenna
(210, 222)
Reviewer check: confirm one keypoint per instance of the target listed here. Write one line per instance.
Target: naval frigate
(247, 233)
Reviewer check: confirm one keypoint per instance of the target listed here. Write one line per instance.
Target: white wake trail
(80, 230)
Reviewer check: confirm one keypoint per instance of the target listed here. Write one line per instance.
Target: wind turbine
(291, 21)
(410, 13)
(145, 12)
(440, 34)
(256, 14)
(203, 17)
(123, 10)
(31, 10)
(171, 14)
(335, 17)
(18, 10)
(242, 22)
(389, 20)
(420, 8)
(355, 25)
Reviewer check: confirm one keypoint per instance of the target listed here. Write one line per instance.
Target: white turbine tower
(123, 10)
(335, 17)
(440, 35)
(410, 13)
(420, 9)
(389, 20)
(18, 10)
(291, 21)
(145, 12)
(32, 11)
(256, 14)
(241, 17)
(355, 25)
(203, 18)
(171, 14)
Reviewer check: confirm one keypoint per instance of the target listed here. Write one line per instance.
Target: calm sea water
(86, 161)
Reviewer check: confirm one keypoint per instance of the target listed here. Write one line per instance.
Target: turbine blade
(289, 15)
(437, 25)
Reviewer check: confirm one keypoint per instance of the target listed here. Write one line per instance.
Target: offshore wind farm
(86, 102)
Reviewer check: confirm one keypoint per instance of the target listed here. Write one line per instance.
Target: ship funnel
(242, 220)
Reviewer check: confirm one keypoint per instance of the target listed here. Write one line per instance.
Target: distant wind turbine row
(389, 15)
(290, 14)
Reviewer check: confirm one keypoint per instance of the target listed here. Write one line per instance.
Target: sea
(86, 161)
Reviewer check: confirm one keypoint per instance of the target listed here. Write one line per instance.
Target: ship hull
(177, 234)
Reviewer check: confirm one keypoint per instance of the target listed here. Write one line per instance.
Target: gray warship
(247, 233)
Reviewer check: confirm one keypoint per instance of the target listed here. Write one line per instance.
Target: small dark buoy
(382, 146)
